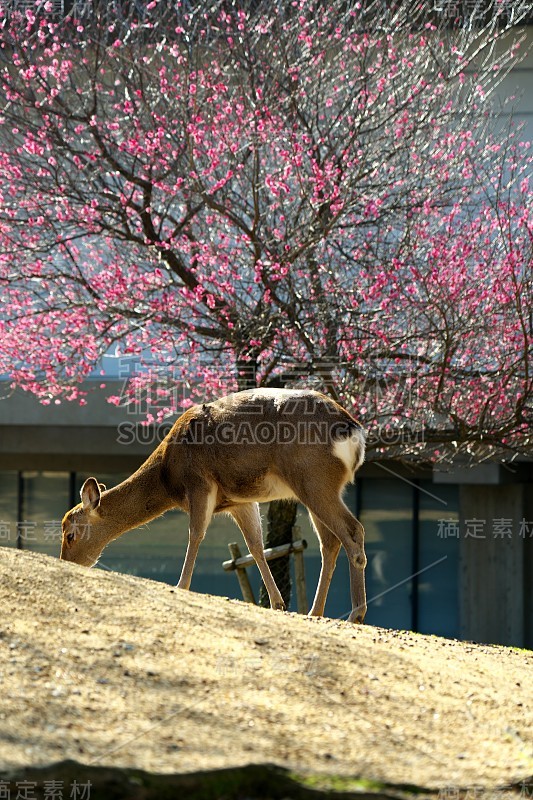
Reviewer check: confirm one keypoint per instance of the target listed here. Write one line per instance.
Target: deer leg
(248, 519)
(201, 507)
(325, 505)
(329, 551)
(358, 593)
(352, 536)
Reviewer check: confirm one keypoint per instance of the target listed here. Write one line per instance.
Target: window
(437, 609)
(8, 508)
(42, 504)
(387, 515)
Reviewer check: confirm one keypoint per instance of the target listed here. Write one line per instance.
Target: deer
(227, 456)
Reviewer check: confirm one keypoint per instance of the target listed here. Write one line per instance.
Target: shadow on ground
(252, 782)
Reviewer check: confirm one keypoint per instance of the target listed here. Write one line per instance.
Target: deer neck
(138, 499)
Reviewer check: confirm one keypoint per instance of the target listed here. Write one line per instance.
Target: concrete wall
(495, 570)
(73, 437)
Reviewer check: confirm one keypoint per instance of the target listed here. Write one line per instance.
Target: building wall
(493, 562)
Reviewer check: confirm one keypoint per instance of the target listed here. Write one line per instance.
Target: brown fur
(227, 455)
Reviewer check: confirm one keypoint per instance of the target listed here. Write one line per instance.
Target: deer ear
(90, 494)
(102, 486)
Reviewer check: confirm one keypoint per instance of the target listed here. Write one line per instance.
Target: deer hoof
(357, 616)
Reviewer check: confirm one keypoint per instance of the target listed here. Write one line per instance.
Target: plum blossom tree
(260, 193)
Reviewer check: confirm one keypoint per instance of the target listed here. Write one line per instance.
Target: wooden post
(271, 553)
(244, 581)
(299, 575)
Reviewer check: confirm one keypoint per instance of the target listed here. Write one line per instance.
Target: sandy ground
(114, 670)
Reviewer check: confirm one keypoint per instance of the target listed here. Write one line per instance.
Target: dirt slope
(113, 670)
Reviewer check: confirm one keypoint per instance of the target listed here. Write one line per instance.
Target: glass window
(45, 498)
(8, 508)
(438, 590)
(387, 516)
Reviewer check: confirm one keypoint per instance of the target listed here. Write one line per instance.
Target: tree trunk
(281, 519)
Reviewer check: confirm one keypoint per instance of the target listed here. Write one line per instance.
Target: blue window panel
(387, 516)
(8, 508)
(438, 590)
(45, 498)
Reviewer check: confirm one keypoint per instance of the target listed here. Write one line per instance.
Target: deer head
(85, 529)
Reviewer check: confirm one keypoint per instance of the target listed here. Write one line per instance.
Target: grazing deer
(228, 456)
